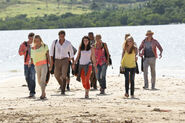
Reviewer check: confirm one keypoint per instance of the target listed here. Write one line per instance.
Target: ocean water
(171, 37)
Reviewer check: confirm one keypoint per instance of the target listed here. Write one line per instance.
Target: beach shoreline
(164, 105)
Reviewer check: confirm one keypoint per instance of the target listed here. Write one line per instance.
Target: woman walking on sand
(102, 61)
(129, 64)
(40, 56)
(85, 55)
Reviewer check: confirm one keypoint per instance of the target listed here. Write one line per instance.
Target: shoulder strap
(54, 49)
(103, 44)
(26, 44)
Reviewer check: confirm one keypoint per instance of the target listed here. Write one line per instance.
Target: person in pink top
(29, 68)
(102, 61)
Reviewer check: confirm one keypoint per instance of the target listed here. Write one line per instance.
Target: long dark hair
(82, 46)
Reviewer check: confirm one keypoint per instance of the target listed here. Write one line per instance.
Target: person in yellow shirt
(40, 57)
(129, 64)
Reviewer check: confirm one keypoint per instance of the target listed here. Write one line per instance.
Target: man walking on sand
(148, 49)
(62, 48)
(29, 68)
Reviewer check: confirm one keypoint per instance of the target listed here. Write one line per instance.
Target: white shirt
(62, 51)
(85, 57)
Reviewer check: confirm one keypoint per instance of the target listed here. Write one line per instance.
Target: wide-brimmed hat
(149, 32)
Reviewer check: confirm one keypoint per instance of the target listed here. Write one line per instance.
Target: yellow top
(129, 60)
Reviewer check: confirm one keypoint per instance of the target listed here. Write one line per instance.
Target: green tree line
(155, 12)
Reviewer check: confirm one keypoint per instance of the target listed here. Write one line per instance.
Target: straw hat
(149, 32)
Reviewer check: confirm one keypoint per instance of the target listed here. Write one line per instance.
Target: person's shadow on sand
(135, 98)
(103, 94)
(62, 95)
(41, 99)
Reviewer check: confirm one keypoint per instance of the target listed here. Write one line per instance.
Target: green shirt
(39, 55)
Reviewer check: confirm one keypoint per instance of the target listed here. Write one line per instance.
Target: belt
(62, 58)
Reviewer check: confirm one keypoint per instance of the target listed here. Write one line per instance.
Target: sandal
(126, 95)
(42, 98)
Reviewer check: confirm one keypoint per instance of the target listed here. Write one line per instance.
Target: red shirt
(100, 55)
(23, 52)
(155, 45)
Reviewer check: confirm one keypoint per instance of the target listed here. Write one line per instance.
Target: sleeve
(141, 46)
(52, 49)
(159, 46)
(21, 49)
(71, 51)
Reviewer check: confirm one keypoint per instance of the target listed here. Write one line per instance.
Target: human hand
(50, 68)
(96, 69)
(136, 59)
(73, 66)
(160, 55)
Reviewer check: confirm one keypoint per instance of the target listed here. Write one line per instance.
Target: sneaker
(86, 96)
(31, 96)
(102, 91)
(154, 89)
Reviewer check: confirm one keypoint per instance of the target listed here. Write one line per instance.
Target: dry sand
(166, 105)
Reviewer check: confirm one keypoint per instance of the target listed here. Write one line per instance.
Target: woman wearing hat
(148, 49)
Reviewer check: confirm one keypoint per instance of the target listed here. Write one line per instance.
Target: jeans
(129, 76)
(149, 62)
(101, 75)
(29, 73)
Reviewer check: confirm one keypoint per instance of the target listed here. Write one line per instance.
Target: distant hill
(34, 8)
(98, 14)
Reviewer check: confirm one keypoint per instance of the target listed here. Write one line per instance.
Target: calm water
(171, 37)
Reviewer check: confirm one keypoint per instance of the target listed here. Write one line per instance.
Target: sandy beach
(165, 105)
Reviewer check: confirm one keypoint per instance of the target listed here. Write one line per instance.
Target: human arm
(160, 48)
(22, 49)
(93, 59)
(51, 53)
(141, 47)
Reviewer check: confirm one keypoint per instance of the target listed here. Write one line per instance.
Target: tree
(94, 6)
(58, 1)
(46, 3)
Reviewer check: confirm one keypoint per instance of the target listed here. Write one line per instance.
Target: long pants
(60, 72)
(41, 75)
(93, 78)
(149, 62)
(29, 73)
(101, 75)
(129, 74)
(86, 78)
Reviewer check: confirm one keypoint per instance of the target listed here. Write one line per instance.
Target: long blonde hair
(38, 37)
(126, 45)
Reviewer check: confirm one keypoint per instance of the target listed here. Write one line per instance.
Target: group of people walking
(90, 64)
